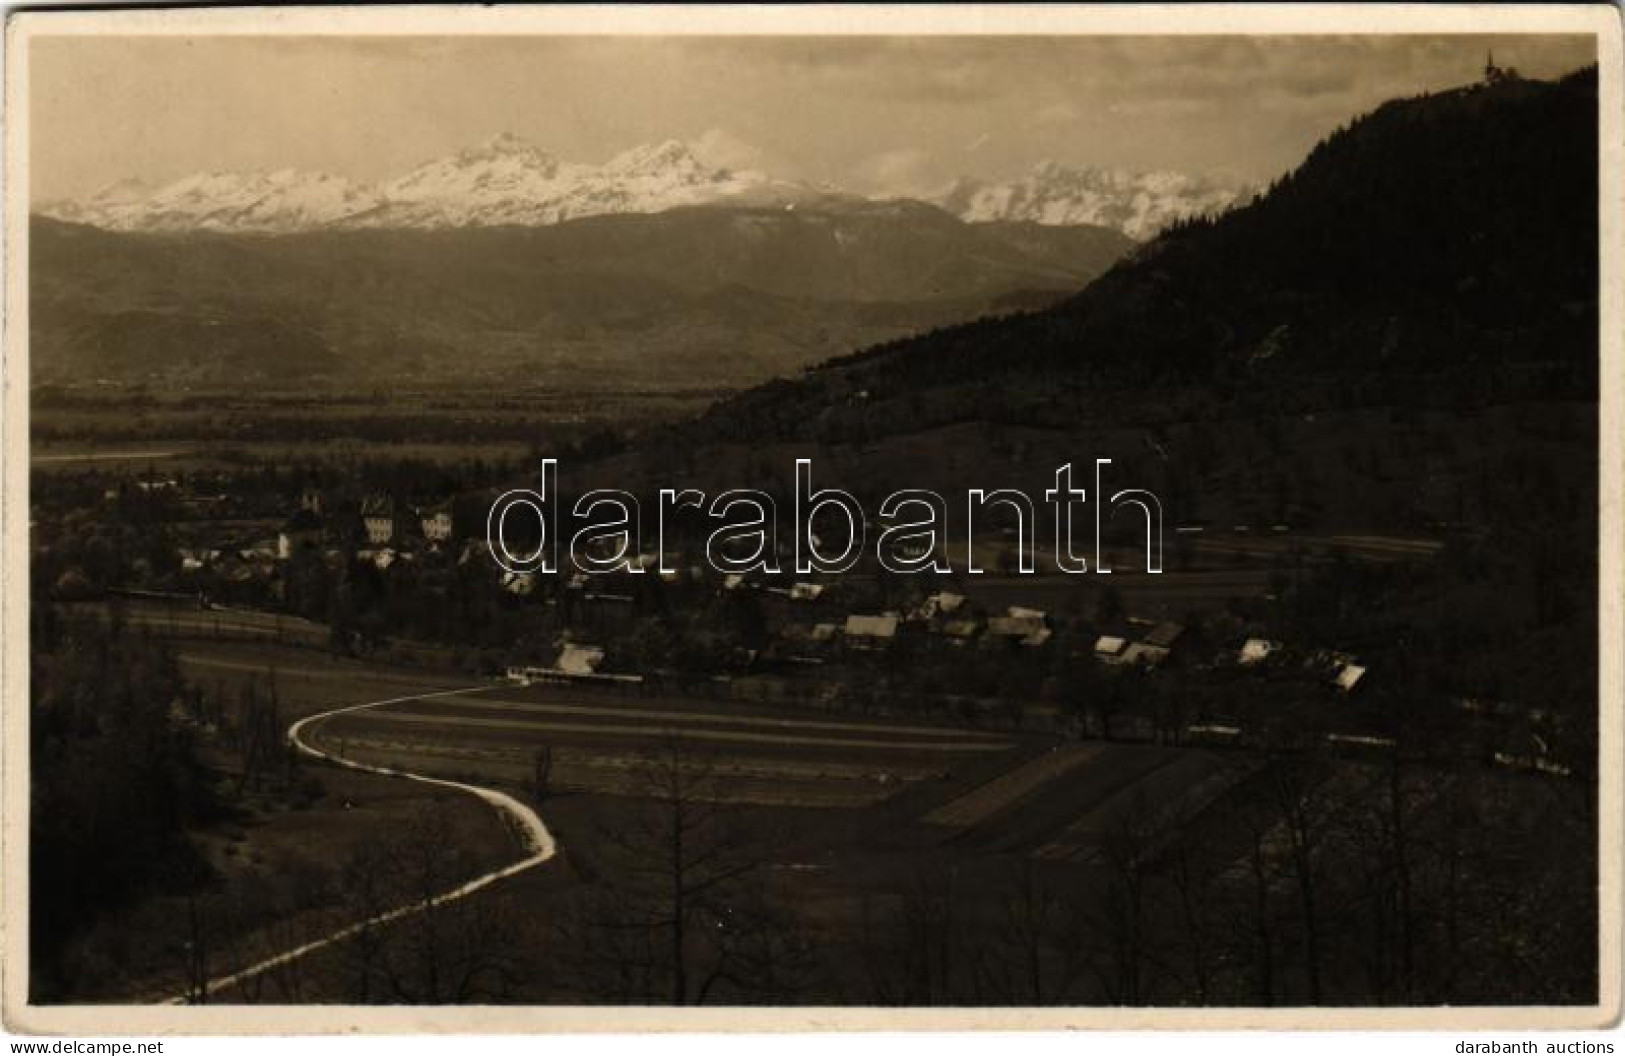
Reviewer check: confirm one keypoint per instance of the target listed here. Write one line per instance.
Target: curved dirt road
(526, 824)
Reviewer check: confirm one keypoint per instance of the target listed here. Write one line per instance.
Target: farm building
(1256, 650)
(1349, 676)
(576, 662)
(577, 659)
(871, 632)
(1155, 647)
(1109, 648)
(1028, 630)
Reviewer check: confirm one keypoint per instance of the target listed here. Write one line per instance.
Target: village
(379, 573)
(1207, 655)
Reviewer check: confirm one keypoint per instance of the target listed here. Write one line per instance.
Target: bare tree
(541, 773)
(196, 950)
(911, 949)
(259, 734)
(456, 951)
(1036, 948)
(1304, 814)
(1248, 907)
(1123, 911)
(366, 890)
(679, 909)
(1192, 883)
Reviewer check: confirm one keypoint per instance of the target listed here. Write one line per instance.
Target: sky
(895, 115)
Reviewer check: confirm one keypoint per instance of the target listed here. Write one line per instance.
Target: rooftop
(871, 626)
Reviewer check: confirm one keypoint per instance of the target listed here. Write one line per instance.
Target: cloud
(1058, 113)
(725, 150)
(905, 171)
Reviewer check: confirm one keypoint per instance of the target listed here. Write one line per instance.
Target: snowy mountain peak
(125, 190)
(222, 201)
(655, 159)
(503, 164)
(1137, 203)
(507, 181)
(505, 142)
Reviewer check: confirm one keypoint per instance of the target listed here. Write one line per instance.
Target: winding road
(526, 824)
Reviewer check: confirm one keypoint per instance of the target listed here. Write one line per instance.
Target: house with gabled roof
(381, 520)
(1155, 647)
(1256, 651)
(437, 522)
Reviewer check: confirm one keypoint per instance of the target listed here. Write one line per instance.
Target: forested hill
(1438, 234)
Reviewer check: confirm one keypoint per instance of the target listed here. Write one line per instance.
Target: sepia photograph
(867, 517)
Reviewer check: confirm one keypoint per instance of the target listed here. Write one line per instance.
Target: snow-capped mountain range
(502, 181)
(506, 181)
(1139, 204)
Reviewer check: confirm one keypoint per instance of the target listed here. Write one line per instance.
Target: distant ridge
(505, 181)
(720, 294)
